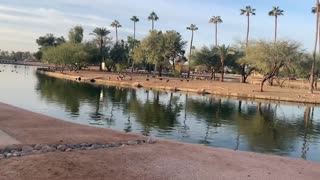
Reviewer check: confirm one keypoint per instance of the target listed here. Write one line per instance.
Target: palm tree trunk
(248, 28)
(134, 44)
(222, 70)
(152, 25)
(275, 28)
(190, 54)
(216, 34)
(101, 43)
(314, 50)
(116, 35)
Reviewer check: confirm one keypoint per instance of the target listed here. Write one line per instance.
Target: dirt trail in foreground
(162, 160)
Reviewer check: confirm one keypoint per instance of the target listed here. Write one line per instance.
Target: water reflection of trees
(154, 113)
(254, 126)
(257, 125)
(67, 93)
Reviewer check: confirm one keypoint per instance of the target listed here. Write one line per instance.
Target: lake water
(272, 128)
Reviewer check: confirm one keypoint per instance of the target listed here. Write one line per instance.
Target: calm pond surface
(272, 128)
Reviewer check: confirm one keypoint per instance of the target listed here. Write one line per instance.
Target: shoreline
(163, 159)
(235, 90)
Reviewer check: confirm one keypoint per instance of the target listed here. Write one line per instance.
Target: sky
(23, 21)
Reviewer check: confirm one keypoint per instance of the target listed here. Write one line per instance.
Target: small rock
(136, 84)
(37, 146)
(22, 154)
(90, 148)
(47, 148)
(11, 148)
(115, 144)
(151, 140)
(16, 154)
(62, 147)
(27, 149)
(68, 150)
(132, 143)
(8, 155)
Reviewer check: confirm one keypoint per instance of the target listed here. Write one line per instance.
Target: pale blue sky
(22, 21)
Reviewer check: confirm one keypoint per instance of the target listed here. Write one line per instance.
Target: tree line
(275, 60)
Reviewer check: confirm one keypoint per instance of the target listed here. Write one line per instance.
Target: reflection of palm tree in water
(308, 121)
(238, 134)
(185, 126)
(128, 125)
(97, 115)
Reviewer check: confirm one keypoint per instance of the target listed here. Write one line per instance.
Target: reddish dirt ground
(162, 160)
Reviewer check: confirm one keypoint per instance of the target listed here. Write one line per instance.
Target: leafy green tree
(76, 34)
(101, 38)
(271, 58)
(191, 28)
(174, 46)
(116, 24)
(276, 11)
(215, 20)
(47, 40)
(207, 57)
(93, 52)
(119, 54)
(67, 54)
(223, 52)
(153, 17)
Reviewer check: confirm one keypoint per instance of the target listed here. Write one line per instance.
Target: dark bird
(160, 79)
(181, 80)
(93, 80)
(79, 78)
(167, 80)
(147, 79)
(109, 78)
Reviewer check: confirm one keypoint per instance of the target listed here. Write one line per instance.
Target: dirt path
(198, 86)
(162, 160)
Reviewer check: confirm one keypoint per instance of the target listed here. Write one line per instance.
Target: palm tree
(276, 11)
(215, 20)
(314, 11)
(223, 52)
(116, 25)
(315, 48)
(153, 17)
(101, 35)
(134, 19)
(247, 11)
(192, 28)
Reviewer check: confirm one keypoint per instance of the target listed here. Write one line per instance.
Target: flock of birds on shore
(123, 76)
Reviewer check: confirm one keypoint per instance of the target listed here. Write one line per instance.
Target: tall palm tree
(223, 52)
(315, 48)
(215, 20)
(276, 11)
(134, 19)
(153, 17)
(314, 11)
(101, 35)
(192, 28)
(248, 11)
(116, 25)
